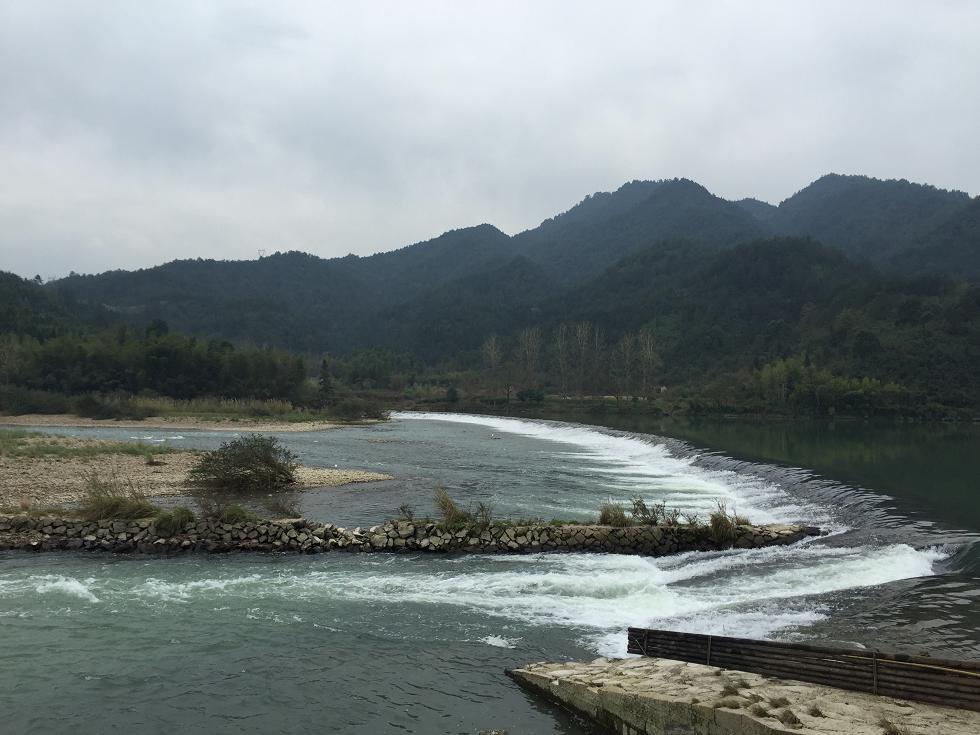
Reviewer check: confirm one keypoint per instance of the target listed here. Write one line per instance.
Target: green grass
(15, 443)
(224, 409)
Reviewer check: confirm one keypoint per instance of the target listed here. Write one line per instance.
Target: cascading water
(417, 643)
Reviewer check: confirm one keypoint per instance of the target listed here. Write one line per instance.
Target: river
(417, 644)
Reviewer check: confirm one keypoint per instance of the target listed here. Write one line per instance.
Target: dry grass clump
(788, 718)
(890, 728)
(778, 702)
(759, 710)
(815, 711)
(236, 514)
(612, 514)
(115, 498)
(170, 523)
(728, 703)
(734, 686)
(452, 514)
(723, 524)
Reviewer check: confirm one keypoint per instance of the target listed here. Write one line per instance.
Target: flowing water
(418, 644)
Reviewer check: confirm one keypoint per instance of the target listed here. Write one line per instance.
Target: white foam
(748, 593)
(58, 584)
(498, 641)
(622, 466)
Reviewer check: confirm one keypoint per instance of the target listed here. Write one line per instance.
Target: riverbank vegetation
(36, 445)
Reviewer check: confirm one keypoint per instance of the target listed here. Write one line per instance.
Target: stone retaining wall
(301, 535)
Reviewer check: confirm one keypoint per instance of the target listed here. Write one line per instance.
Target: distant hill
(440, 296)
(868, 219)
(29, 310)
(952, 247)
(606, 227)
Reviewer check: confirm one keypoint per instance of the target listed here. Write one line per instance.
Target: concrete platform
(662, 697)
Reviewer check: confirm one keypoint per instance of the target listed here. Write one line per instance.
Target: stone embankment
(651, 696)
(301, 535)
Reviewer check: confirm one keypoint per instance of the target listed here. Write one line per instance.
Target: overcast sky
(133, 133)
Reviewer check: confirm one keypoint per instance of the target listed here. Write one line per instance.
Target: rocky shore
(303, 536)
(51, 481)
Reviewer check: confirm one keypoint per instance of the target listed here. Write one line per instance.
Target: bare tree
(598, 358)
(649, 359)
(583, 341)
(529, 345)
(561, 355)
(625, 355)
(491, 358)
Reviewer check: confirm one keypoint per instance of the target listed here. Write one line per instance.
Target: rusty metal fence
(937, 681)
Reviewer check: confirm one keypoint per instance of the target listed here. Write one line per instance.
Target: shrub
(406, 512)
(173, 522)
(93, 407)
(644, 514)
(530, 395)
(612, 514)
(249, 464)
(778, 702)
(248, 467)
(18, 401)
(815, 711)
(114, 498)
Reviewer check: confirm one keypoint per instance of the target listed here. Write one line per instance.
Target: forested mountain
(953, 247)
(715, 299)
(867, 218)
(596, 233)
(761, 303)
(29, 310)
(828, 277)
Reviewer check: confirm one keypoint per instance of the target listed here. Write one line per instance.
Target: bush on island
(250, 467)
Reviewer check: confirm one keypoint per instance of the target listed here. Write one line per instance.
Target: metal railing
(936, 681)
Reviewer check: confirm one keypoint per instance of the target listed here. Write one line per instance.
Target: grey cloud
(134, 133)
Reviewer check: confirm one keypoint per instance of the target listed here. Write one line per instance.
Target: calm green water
(349, 643)
(931, 470)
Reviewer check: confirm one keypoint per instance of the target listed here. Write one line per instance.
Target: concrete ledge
(652, 696)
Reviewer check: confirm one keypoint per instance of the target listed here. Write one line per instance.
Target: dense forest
(853, 295)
